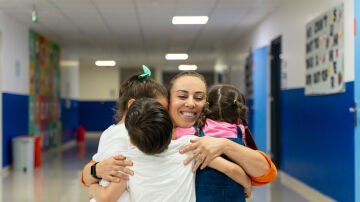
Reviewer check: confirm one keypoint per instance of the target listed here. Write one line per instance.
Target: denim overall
(212, 185)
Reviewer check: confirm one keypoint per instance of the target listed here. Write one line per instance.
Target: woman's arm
(110, 193)
(107, 170)
(233, 171)
(253, 163)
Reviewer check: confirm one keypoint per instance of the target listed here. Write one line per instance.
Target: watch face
(93, 171)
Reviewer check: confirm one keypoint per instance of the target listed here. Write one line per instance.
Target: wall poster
(44, 95)
(324, 72)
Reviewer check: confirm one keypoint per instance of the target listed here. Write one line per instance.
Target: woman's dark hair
(185, 73)
(149, 125)
(135, 88)
(226, 103)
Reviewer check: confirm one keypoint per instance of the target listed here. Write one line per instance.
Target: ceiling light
(178, 20)
(105, 63)
(176, 56)
(187, 67)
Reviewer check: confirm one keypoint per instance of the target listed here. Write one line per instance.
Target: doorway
(275, 101)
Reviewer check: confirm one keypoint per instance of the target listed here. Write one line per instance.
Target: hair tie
(146, 74)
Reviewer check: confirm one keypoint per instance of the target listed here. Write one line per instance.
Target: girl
(224, 115)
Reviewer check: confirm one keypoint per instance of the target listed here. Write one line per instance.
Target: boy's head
(149, 125)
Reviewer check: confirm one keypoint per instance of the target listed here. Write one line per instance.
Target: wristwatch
(93, 171)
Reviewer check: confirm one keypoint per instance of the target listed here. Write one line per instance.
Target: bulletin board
(324, 72)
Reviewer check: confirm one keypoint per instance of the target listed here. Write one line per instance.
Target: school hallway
(58, 179)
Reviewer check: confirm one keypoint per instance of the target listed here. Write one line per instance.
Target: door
(275, 90)
(260, 96)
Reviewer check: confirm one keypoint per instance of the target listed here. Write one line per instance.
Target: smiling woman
(187, 98)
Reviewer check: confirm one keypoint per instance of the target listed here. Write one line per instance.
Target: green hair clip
(146, 74)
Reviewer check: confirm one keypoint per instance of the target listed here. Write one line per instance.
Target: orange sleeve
(269, 176)
(82, 174)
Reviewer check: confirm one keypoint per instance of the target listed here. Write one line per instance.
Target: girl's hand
(205, 149)
(247, 188)
(248, 192)
(114, 169)
(91, 191)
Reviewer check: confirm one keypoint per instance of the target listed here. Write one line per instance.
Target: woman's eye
(182, 96)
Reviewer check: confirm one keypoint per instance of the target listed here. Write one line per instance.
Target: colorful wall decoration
(44, 92)
(325, 53)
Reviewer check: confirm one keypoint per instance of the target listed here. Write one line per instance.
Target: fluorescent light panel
(105, 63)
(194, 20)
(176, 56)
(187, 67)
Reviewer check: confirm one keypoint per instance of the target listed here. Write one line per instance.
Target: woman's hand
(205, 149)
(114, 169)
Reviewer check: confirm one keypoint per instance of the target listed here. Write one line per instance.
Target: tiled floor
(57, 180)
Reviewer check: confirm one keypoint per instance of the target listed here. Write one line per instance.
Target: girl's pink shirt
(214, 129)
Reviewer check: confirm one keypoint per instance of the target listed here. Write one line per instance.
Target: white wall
(98, 83)
(14, 62)
(69, 82)
(289, 21)
(15, 54)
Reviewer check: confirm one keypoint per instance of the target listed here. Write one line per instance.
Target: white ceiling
(140, 31)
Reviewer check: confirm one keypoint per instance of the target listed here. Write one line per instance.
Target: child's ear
(132, 100)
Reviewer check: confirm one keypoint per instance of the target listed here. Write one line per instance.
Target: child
(224, 115)
(159, 172)
(115, 139)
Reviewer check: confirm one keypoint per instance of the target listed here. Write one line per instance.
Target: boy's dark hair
(135, 88)
(149, 125)
(226, 103)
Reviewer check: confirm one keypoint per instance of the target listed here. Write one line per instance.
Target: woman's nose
(190, 103)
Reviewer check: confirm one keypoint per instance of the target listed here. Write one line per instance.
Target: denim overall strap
(213, 186)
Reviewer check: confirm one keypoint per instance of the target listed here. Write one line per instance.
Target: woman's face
(187, 99)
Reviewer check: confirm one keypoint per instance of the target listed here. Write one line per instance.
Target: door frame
(275, 100)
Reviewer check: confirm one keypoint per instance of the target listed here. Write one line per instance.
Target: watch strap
(93, 171)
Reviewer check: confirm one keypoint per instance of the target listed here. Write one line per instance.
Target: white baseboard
(302, 189)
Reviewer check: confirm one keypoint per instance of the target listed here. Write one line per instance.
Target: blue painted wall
(69, 119)
(96, 115)
(357, 98)
(317, 141)
(15, 122)
(260, 60)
